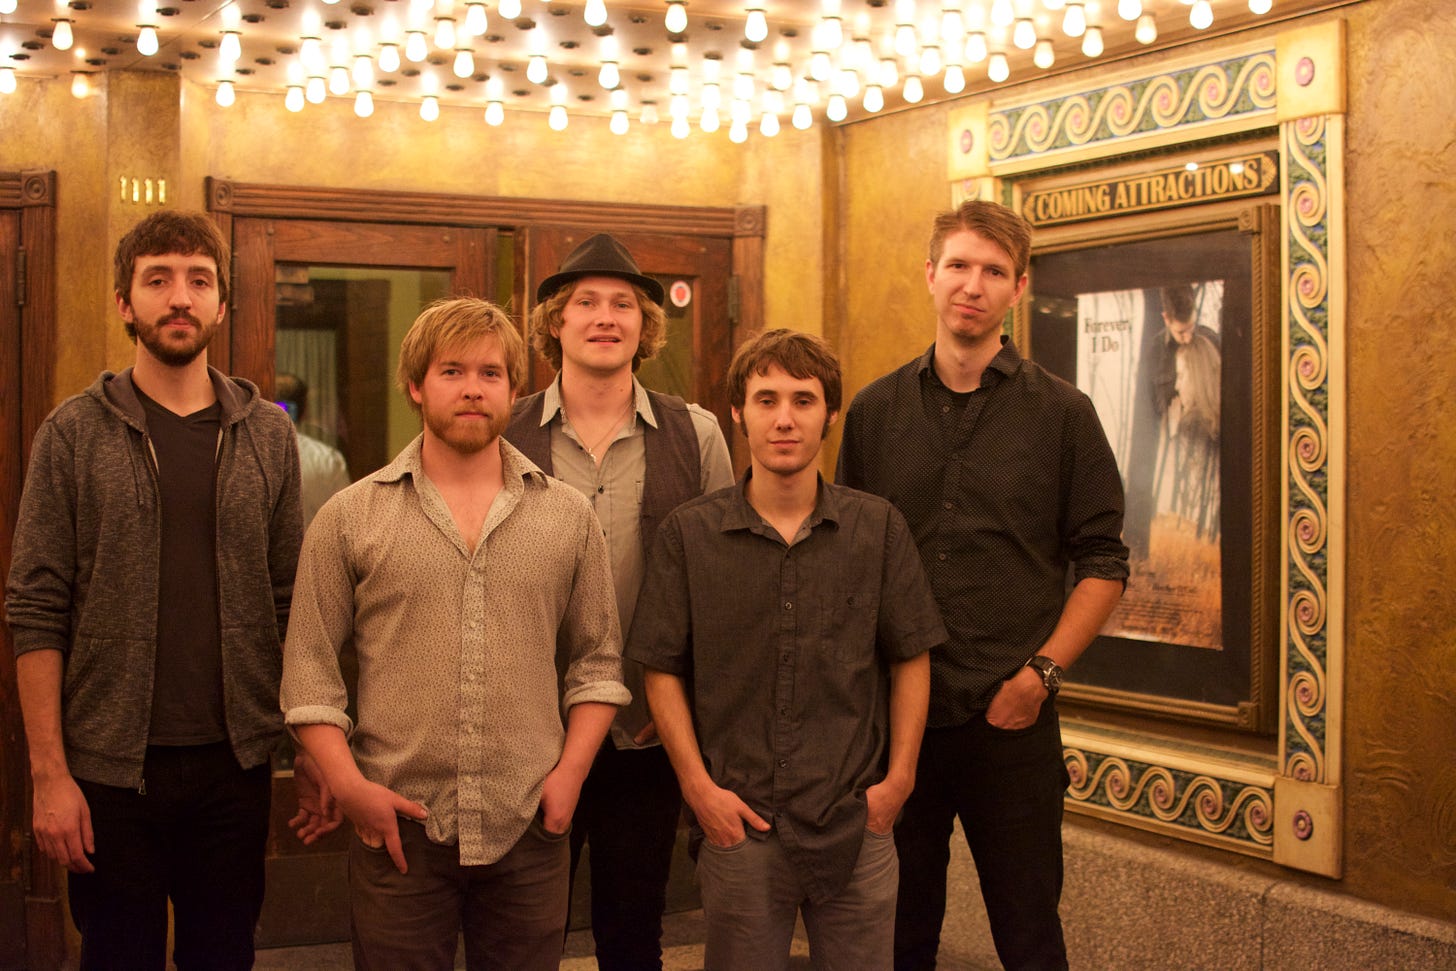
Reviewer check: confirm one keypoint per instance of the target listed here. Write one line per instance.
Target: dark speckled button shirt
(785, 654)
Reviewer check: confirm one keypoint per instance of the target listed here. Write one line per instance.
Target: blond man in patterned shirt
(455, 570)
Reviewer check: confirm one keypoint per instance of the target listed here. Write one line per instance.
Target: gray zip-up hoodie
(84, 574)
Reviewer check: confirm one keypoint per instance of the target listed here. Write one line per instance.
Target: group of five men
(827, 674)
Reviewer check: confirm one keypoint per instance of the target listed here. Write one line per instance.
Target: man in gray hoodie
(148, 596)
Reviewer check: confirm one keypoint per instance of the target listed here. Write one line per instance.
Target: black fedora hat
(599, 256)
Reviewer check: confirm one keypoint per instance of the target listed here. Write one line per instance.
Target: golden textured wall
(1400, 682)
(1400, 676)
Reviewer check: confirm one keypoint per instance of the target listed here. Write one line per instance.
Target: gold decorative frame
(1284, 807)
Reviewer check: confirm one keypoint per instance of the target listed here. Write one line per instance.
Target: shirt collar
(740, 514)
(1006, 362)
(514, 465)
(551, 402)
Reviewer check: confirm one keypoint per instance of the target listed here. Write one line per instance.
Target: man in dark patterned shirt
(1007, 481)
(785, 624)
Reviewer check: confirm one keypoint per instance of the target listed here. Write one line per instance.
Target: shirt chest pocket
(845, 622)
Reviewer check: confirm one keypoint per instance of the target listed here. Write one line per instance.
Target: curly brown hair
(546, 316)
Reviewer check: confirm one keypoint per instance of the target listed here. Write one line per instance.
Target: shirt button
(784, 711)
(940, 556)
(786, 659)
(783, 763)
(945, 409)
(601, 489)
(949, 505)
(789, 605)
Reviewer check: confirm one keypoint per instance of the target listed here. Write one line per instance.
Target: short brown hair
(1002, 226)
(546, 315)
(171, 231)
(452, 323)
(801, 355)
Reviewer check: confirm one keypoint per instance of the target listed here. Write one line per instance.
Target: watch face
(1050, 671)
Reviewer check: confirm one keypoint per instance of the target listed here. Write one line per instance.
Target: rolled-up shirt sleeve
(321, 623)
(590, 628)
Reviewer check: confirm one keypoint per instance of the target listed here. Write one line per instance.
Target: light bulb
(609, 76)
(889, 73)
(294, 99)
(1129, 9)
(495, 113)
(1003, 12)
(1044, 57)
(445, 33)
(1023, 35)
(955, 79)
(1074, 21)
(906, 41)
(676, 20)
(147, 44)
(820, 65)
(416, 48)
(768, 127)
(952, 26)
(430, 108)
(836, 110)
(914, 89)
(709, 121)
(1260, 7)
(557, 118)
(363, 104)
(80, 84)
(389, 58)
(930, 62)
(536, 69)
(619, 123)
(1201, 16)
(874, 98)
(803, 117)
(311, 52)
(998, 70)
(62, 38)
(338, 81)
(595, 13)
(7, 7)
(363, 72)
(782, 76)
(712, 97)
(225, 94)
(510, 9)
(231, 48)
(315, 90)
(464, 62)
(649, 113)
(1147, 29)
(681, 128)
(756, 29)
(976, 49)
(833, 33)
(738, 133)
(1092, 42)
(678, 106)
(7, 80)
(476, 20)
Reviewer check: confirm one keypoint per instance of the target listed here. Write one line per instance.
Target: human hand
(61, 822)
(884, 801)
(559, 795)
(374, 811)
(1018, 701)
(319, 812)
(722, 814)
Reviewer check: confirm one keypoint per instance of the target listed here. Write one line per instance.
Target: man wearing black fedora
(636, 455)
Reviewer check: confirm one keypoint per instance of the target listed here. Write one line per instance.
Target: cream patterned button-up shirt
(458, 699)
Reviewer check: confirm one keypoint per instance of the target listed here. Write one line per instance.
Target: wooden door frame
(32, 194)
(744, 225)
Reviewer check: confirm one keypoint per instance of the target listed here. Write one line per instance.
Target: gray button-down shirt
(785, 652)
(457, 697)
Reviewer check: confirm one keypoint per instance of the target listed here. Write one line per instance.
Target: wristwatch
(1050, 671)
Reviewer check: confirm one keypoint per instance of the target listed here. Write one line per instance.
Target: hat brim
(556, 281)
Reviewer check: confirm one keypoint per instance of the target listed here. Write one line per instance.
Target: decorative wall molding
(1287, 807)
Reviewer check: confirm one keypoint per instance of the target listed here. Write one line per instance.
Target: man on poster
(1007, 481)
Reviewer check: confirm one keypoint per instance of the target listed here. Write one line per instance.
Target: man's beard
(465, 437)
(170, 352)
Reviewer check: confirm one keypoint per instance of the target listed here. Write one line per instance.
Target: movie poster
(1151, 360)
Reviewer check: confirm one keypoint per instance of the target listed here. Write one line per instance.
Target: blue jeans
(628, 813)
(513, 911)
(196, 836)
(1007, 788)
